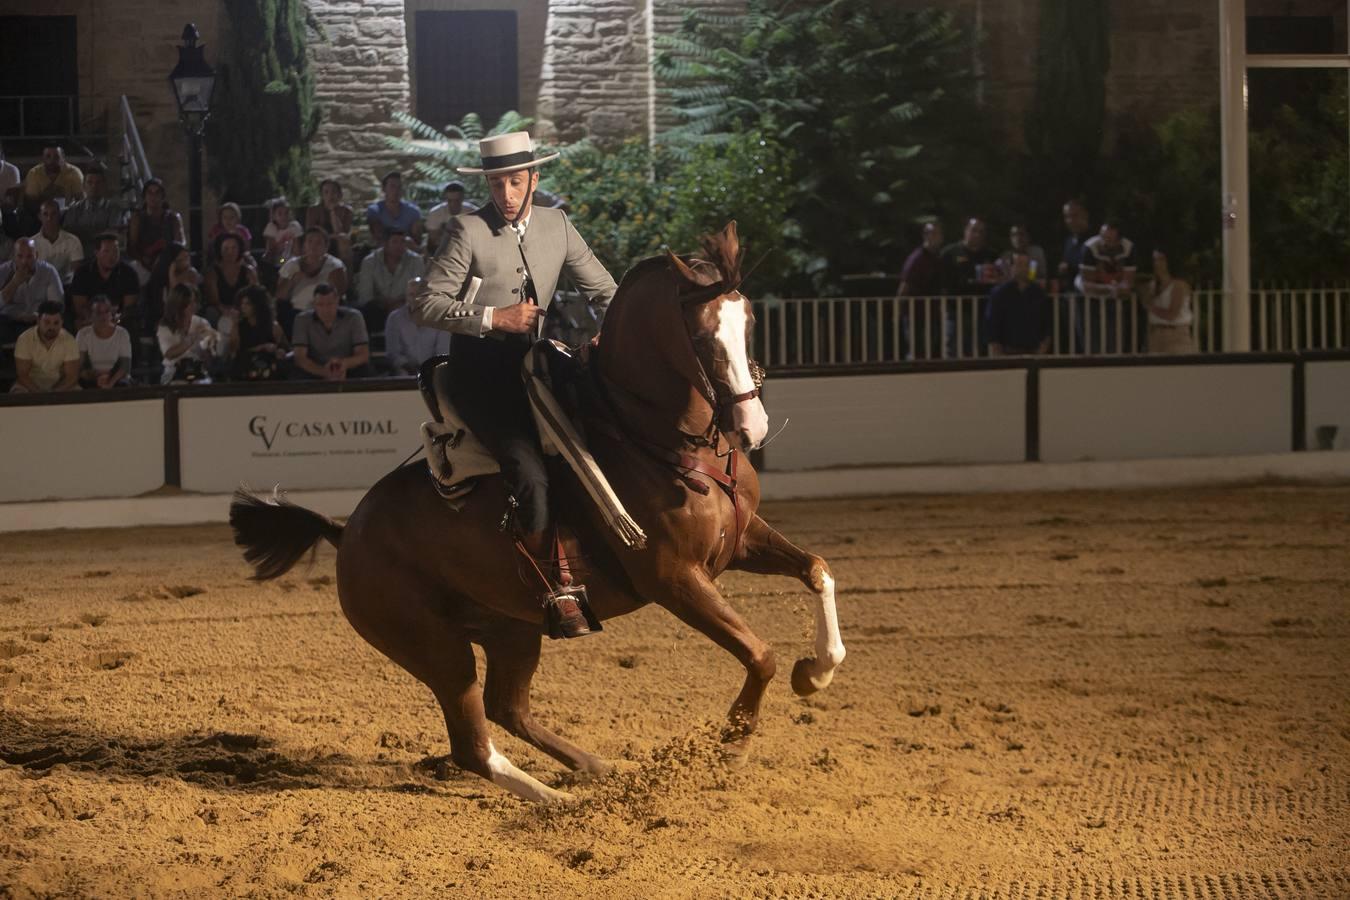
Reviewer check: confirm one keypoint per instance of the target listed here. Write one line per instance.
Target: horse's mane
(719, 264)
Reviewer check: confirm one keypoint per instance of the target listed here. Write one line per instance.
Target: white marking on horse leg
(829, 644)
(748, 415)
(506, 775)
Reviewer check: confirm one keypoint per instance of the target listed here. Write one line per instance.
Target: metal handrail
(133, 149)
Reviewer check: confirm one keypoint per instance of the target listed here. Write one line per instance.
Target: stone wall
(595, 79)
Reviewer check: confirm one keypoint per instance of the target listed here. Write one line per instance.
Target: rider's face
(513, 192)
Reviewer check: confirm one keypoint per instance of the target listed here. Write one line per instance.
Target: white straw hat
(505, 153)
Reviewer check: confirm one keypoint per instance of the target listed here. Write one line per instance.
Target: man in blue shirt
(393, 213)
(1019, 314)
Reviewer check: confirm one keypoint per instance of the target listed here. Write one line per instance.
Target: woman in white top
(105, 348)
(1169, 311)
(187, 342)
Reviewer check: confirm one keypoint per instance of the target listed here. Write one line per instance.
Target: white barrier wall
(1327, 387)
(1150, 412)
(76, 450)
(299, 441)
(870, 420)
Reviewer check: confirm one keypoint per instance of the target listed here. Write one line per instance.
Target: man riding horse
(519, 252)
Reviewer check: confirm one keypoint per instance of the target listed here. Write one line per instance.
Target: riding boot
(567, 612)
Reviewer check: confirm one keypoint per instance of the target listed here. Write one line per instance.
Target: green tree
(263, 113)
(436, 155)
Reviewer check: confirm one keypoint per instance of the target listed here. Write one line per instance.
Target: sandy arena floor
(1107, 695)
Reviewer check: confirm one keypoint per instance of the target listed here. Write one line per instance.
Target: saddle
(456, 459)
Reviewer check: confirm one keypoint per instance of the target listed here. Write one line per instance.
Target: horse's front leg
(767, 552)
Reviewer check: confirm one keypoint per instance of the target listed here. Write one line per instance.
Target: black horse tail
(275, 533)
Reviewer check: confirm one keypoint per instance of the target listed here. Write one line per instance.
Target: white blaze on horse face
(748, 417)
(506, 775)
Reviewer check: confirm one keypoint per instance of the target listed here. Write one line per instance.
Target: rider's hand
(518, 319)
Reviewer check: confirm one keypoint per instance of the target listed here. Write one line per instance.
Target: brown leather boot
(563, 613)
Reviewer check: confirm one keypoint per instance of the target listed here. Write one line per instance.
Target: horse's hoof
(736, 754)
(804, 684)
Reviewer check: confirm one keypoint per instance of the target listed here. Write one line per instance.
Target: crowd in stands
(95, 295)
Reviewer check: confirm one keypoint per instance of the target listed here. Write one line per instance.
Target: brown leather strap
(741, 398)
(564, 569)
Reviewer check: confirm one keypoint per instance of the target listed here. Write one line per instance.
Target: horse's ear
(724, 251)
(686, 271)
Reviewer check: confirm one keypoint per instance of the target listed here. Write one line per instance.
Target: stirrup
(567, 613)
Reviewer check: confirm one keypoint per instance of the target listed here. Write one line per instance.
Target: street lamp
(193, 81)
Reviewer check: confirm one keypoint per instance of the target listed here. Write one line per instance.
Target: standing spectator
(187, 342)
(452, 204)
(406, 344)
(302, 274)
(96, 213)
(1105, 275)
(105, 348)
(229, 221)
(26, 282)
(1170, 317)
(1072, 308)
(257, 345)
(1019, 314)
(56, 246)
(232, 271)
(969, 272)
(154, 225)
(335, 218)
(107, 274)
(52, 179)
(45, 356)
(331, 341)
(393, 212)
(1019, 241)
(9, 174)
(173, 268)
(922, 278)
(382, 284)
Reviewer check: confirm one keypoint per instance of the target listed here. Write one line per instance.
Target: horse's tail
(275, 533)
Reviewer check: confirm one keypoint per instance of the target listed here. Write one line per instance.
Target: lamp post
(193, 81)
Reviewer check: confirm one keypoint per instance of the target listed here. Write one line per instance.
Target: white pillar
(1237, 267)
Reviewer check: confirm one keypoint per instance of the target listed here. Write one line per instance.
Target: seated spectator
(96, 213)
(108, 274)
(229, 221)
(174, 267)
(406, 344)
(105, 348)
(1105, 274)
(26, 282)
(393, 212)
(1170, 316)
(232, 271)
(55, 245)
(257, 345)
(302, 274)
(52, 179)
(9, 174)
(335, 218)
(330, 341)
(969, 271)
(1019, 314)
(452, 204)
(283, 234)
(153, 226)
(1019, 240)
(382, 285)
(45, 356)
(187, 342)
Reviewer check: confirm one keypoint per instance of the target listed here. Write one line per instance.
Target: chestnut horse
(679, 409)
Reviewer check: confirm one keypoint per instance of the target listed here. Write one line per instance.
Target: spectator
(1019, 314)
(393, 212)
(106, 273)
(1105, 274)
(452, 204)
(382, 285)
(406, 344)
(26, 282)
(154, 225)
(60, 248)
(1072, 308)
(330, 341)
(922, 277)
(257, 345)
(96, 213)
(968, 271)
(302, 274)
(9, 174)
(187, 342)
(1019, 241)
(105, 348)
(45, 356)
(232, 271)
(1170, 316)
(229, 221)
(174, 267)
(335, 218)
(283, 233)
(52, 179)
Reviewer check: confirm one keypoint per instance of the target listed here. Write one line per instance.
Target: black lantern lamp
(193, 82)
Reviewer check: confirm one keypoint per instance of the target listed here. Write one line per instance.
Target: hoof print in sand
(93, 619)
(11, 649)
(109, 659)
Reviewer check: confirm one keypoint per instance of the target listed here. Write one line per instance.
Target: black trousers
(487, 390)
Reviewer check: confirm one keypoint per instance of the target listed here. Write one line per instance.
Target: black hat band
(510, 159)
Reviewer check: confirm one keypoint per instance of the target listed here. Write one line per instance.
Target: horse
(678, 411)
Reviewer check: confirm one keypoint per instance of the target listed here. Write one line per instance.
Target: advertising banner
(297, 441)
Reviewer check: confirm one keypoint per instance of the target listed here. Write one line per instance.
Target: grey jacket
(482, 244)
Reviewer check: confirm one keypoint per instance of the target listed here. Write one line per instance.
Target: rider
(519, 251)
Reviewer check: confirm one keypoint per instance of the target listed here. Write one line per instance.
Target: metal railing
(845, 331)
(135, 163)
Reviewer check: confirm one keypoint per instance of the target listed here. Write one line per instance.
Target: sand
(1093, 695)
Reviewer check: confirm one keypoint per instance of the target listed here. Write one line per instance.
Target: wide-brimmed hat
(503, 153)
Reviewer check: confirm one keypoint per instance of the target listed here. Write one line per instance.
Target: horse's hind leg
(767, 552)
(512, 652)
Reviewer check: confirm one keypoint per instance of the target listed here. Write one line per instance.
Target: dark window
(466, 62)
(39, 76)
(1270, 90)
(1291, 34)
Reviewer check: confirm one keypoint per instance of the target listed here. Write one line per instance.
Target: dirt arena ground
(1097, 695)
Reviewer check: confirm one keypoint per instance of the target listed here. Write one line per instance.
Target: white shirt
(408, 344)
(519, 229)
(65, 253)
(302, 289)
(104, 353)
(9, 176)
(1163, 300)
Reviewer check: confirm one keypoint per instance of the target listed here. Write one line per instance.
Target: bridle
(709, 390)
